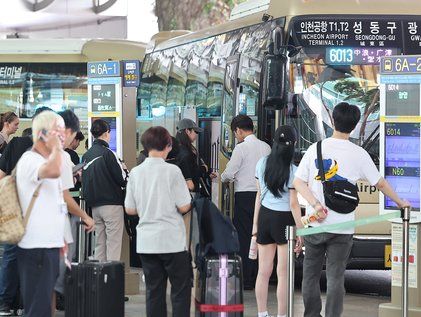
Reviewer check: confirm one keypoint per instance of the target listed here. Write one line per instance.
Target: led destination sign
(402, 32)
(343, 31)
(357, 55)
(402, 162)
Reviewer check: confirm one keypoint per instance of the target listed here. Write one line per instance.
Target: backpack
(12, 224)
(217, 234)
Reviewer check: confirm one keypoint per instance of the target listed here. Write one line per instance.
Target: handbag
(12, 224)
(340, 195)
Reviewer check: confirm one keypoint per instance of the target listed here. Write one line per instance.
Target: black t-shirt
(75, 160)
(188, 163)
(73, 156)
(13, 151)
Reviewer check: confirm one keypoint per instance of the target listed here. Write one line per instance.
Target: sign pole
(291, 237)
(406, 216)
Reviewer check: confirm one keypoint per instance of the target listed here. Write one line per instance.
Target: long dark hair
(277, 171)
(184, 141)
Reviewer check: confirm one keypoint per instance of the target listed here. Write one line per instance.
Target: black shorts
(271, 225)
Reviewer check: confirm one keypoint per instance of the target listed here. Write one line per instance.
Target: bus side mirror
(274, 84)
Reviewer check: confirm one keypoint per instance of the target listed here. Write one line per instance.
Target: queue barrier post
(291, 237)
(406, 216)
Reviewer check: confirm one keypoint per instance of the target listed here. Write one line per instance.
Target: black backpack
(340, 196)
(217, 234)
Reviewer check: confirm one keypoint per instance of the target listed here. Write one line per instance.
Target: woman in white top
(276, 207)
(158, 193)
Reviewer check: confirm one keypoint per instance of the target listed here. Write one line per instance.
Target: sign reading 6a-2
(395, 65)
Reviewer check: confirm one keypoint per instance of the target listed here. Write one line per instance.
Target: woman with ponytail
(9, 124)
(276, 208)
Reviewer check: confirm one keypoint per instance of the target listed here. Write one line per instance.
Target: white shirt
(67, 182)
(66, 171)
(242, 165)
(155, 189)
(342, 160)
(45, 227)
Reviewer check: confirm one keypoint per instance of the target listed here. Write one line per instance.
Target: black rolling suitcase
(95, 289)
(219, 289)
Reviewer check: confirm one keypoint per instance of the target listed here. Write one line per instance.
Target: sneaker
(5, 310)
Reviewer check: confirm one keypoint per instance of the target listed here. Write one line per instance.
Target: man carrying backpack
(338, 164)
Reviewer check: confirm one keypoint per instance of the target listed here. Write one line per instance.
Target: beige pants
(109, 226)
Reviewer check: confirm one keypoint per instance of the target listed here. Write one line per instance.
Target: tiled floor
(355, 305)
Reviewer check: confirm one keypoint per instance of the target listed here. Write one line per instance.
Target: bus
(331, 51)
(53, 73)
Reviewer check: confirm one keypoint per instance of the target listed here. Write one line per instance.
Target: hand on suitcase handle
(88, 222)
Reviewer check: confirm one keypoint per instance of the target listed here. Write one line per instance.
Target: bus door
(241, 96)
(229, 110)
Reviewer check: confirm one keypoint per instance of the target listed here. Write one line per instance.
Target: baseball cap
(188, 124)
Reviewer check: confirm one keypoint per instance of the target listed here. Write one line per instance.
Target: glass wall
(203, 64)
(319, 87)
(24, 87)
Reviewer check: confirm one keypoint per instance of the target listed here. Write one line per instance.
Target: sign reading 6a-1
(104, 69)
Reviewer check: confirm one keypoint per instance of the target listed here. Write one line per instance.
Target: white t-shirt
(45, 227)
(155, 189)
(67, 182)
(342, 160)
(66, 171)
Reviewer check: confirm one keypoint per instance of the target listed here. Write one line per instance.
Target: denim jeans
(336, 249)
(9, 278)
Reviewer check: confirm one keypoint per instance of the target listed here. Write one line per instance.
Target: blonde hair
(46, 120)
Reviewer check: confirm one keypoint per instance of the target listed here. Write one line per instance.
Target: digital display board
(402, 100)
(356, 55)
(402, 162)
(403, 32)
(131, 73)
(103, 98)
(343, 31)
(113, 131)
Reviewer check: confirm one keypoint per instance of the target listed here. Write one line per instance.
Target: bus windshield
(319, 87)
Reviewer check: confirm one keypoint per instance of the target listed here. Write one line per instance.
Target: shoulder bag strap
(320, 162)
(31, 206)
